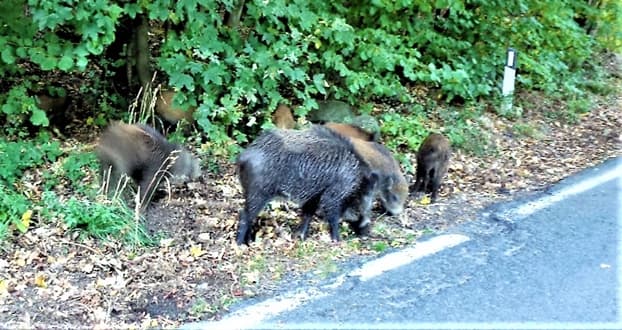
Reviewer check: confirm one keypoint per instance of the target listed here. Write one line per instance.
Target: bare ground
(50, 278)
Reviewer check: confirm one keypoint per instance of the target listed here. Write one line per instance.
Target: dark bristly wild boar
(143, 154)
(392, 188)
(316, 168)
(283, 117)
(432, 162)
(353, 131)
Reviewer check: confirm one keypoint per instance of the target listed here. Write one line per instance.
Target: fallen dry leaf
(40, 281)
(425, 200)
(196, 251)
(26, 218)
(4, 287)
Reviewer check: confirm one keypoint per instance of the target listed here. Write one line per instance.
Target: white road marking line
(530, 208)
(408, 255)
(255, 314)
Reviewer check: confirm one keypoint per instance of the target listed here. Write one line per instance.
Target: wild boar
(432, 162)
(353, 131)
(392, 187)
(316, 168)
(164, 107)
(283, 118)
(143, 154)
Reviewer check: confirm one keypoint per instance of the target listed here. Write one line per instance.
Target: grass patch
(103, 220)
(200, 307)
(304, 249)
(466, 129)
(380, 246)
(47, 183)
(527, 129)
(258, 263)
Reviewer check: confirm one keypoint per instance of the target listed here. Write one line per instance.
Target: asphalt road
(549, 261)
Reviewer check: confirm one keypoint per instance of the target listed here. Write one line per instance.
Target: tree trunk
(233, 17)
(142, 52)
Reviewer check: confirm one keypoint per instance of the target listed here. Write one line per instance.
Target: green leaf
(7, 55)
(21, 52)
(48, 63)
(66, 63)
(82, 62)
(132, 9)
(39, 118)
(94, 47)
(213, 74)
(318, 82)
(114, 11)
(10, 108)
(183, 80)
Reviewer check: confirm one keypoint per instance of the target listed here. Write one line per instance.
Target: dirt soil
(50, 278)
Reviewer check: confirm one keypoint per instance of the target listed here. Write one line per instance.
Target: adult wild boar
(316, 168)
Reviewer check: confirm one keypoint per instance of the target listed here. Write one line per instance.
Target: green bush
(104, 220)
(401, 130)
(235, 73)
(19, 156)
(76, 168)
(466, 129)
(82, 211)
(13, 206)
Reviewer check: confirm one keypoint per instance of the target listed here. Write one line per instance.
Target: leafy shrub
(13, 206)
(19, 156)
(404, 130)
(19, 109)
(76, 167)
(105, 219)
(236, 73)
(102, 220)
(466, 129)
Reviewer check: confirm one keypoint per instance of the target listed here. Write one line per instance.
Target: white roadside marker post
(509, 77)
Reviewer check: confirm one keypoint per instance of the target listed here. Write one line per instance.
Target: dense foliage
(28, 166)
(301, 50)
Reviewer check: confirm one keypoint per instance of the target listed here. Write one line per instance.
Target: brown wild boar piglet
(432, 162)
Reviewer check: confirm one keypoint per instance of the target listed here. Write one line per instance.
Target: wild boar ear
(376, 136)
(145, 136)
(373, 180)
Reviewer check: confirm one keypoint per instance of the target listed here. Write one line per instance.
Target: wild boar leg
(252, 208)
(308, 210)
